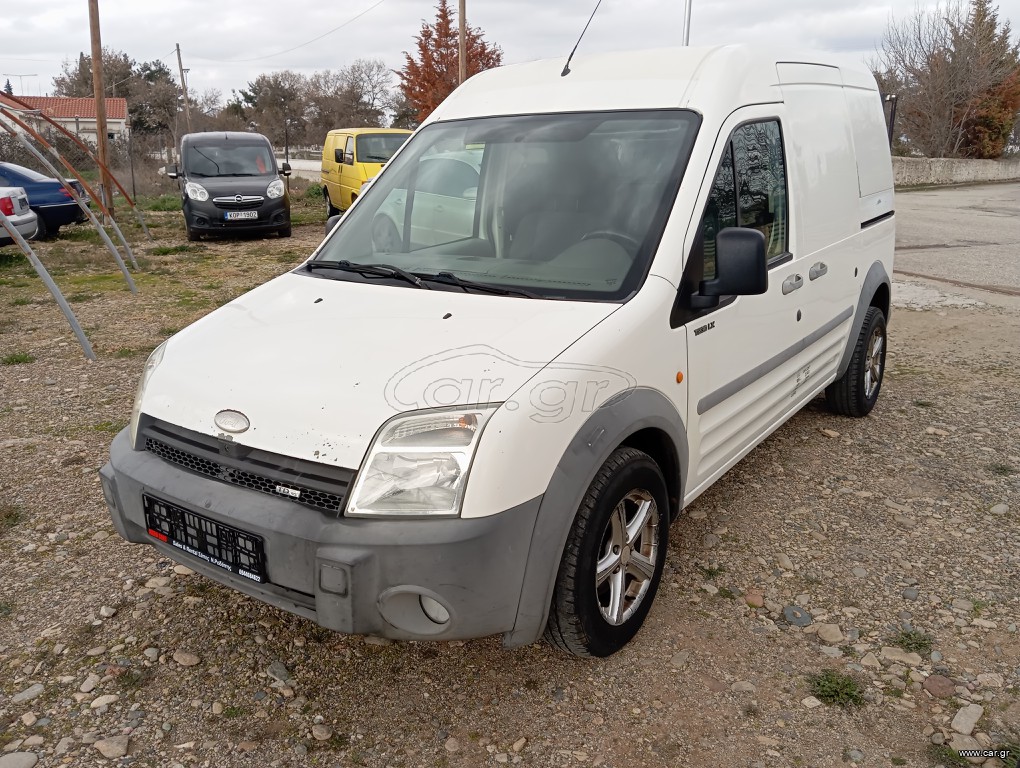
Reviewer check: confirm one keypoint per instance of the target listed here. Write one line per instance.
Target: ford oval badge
(232, 421)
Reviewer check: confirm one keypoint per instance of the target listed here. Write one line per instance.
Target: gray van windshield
(229, 159)
(564, 206)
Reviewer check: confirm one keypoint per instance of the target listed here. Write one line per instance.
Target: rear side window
(749, 190)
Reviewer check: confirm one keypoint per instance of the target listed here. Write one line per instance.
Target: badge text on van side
(705, 327)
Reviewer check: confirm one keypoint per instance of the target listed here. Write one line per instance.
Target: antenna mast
(566, 67)
(687, 22)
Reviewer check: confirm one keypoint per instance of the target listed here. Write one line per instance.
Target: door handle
(792, 283)
(817, 270)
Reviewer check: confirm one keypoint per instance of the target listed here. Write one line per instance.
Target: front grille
(232, 203)
(314, 485)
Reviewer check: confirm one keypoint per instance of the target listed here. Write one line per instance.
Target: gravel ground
(882, 552)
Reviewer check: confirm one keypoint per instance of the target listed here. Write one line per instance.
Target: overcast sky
(38, 36)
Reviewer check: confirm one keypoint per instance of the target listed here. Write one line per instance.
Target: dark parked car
(230, 183)
(46, 196)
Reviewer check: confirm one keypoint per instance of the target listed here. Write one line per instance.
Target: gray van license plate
(234, 215)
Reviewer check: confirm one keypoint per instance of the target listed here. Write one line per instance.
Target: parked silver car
(14, 205)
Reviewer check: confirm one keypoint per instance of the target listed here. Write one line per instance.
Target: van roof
(708, 79)
(356, 131)
(218, 137)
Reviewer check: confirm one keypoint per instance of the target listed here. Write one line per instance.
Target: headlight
(275, 189)
(196, 191)
(150, 367)
(418, 464)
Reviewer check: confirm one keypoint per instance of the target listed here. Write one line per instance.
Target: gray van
(230, 183)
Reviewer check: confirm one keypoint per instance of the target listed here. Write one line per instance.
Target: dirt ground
(894, 535)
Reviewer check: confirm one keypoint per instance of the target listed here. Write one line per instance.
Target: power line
(302, 45)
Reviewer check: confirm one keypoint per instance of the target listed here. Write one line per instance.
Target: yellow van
(352, 156)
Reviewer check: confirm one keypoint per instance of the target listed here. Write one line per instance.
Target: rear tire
(41, 230)
(856, 392)
(613, 560)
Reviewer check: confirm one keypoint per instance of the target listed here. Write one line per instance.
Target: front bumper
(354, 576)
(209, 218)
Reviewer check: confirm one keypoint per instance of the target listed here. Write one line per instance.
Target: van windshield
(567, 206)
(229, 159)
(377, 147)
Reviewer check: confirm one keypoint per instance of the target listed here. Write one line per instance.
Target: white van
(448, 430)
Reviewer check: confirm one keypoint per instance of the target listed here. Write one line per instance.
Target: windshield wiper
(448, 278)
(382, 270)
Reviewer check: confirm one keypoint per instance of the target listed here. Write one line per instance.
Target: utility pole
(462, 58)
(106, 186)
(184, 89)
(687, 22)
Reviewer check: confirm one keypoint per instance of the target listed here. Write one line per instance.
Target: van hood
(318, 365)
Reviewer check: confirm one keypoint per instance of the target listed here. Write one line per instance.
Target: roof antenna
(566, 67)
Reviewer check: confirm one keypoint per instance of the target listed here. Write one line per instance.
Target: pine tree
(432, 75)
(8, 89)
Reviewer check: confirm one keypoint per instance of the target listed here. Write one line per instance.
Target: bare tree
(943, 63)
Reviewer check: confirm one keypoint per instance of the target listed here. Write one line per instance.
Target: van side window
(761, 182)
(721, 211)
(749, 190)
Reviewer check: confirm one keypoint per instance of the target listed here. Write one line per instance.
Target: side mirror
(349, 158)
(285, 169)
(332, 222)
(338, 155)
(171, 171)
(741, 267)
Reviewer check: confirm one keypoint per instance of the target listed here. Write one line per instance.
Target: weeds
(109, 427)
(947, 756)
(234, 711)
(170, 250)
(17, 358)
(10, 516)
(913, 641)
(836, 689)
(20, 301)
(1003, 470)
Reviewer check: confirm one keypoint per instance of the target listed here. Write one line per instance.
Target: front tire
(856, 392)
(330, 210)
(193, 236)
(285, 231)
(613, 560)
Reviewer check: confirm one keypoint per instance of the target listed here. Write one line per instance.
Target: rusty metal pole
(106, 186)
(462, 58)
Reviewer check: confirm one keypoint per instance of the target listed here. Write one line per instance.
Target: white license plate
(234, 215)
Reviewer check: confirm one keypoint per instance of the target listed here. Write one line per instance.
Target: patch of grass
(6, 609)
(81, 235)
(924, 404)
(836, 689)
(898, 761)
(895, 693)
(727, 593)
(913, 641)
(234, 711)
(710, 572)
(12, 257)
(20, 301)
(1001, 469)
(947, 756)
(162, 203)
(314, 192)
(110, 427)
(135, 678)
(10, 516)
(168, 330)
(78, 298)
(125, 352)
(849, 651)
(979, 606)
(17, 358)
(170, 250)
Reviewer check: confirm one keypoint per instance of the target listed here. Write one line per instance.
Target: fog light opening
(434, 610)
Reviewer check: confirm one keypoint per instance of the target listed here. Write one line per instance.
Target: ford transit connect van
(565, 308)
(230, 184)
(352, 156)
